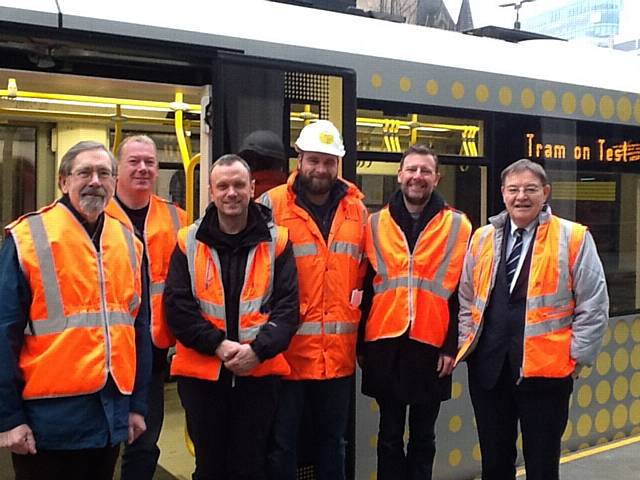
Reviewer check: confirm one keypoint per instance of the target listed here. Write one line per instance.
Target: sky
(487, 12)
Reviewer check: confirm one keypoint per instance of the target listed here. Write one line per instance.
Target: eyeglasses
(527, 190)
(87, 173)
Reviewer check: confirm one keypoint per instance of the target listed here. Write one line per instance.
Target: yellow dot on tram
(505, 95)
(373, 441)
(603, 420)
(635, 357)
(621, 360)
(432, 87)
(620, 416)
(603, 363)
(623, 108)
(619, 436)
(519, 441)
(602, 441)
(584, 396)
(634, 386)
(568, 103)
(620, 388)
(373, 475)
(476, 453)
(405, 84)
(455, 423)
(482, 93)
(373, 406)
(603, 392)
(456, 390)
(634, 412)
(457, 90)
(606, 107)
(548, 100)
(584, 425)
(607, 337)
(586, 372)
(588, 105)
(568, 431)
(584, 446)
(636, 110)
(635, 330)
(527, 98)
(455, 457)
(621, 332)
(376, 80)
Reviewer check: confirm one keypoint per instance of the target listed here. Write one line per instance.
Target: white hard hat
(321, 136)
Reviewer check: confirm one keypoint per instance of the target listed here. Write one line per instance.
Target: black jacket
(182, 310)
(400, 368)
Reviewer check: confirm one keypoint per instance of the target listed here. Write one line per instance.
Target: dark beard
(317, 187)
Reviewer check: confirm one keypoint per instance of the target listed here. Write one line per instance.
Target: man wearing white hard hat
(326, 220)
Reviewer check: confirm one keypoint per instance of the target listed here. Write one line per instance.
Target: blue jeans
(139, 459)
(329, 402)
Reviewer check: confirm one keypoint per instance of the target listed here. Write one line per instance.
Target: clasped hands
(239, 358)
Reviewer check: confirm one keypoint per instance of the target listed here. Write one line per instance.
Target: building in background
(428, 13)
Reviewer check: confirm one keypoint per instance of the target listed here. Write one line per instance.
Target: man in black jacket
(407, 338)
(232, 303)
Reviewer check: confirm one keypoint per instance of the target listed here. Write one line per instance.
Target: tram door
(252, 94)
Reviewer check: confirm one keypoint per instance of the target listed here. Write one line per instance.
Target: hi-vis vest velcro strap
(246, 306)
(318, 328)
(435, 285)
(56, 320)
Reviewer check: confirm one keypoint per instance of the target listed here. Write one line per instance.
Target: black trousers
(84, 464)
(542, 408)
(417, 463)
(230, 425)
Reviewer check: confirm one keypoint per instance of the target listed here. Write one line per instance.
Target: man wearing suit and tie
(533, 310)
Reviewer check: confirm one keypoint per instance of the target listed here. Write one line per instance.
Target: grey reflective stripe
(433, 286)
(133, 258)
(548, 326)
(382, 266)
(479, 304)
(52, 292)
(133, 304)
(215, 309)
(563, 296)
(305, 249)
(249, 334)
(420, 283)
(315, 328)
(265, 200)
(347, 248)
(483, 238)
(79, 320)
(190, 245)
(436, 285)
(175, 218)
(252, 305)
(212, 309)
(391, 284)
(156, 288)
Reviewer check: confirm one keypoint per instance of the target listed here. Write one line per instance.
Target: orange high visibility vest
(208, 290)
(83, 304)
(325, 344)
(550, 302)
(412, 289)
(161, 227)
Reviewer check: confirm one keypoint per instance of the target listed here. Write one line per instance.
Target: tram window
(17, 171)
(608, 203)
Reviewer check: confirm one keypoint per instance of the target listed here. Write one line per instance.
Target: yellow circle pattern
(620, 416)
(623, 108)
(584, 425)
(455, 423)
(635, 385)
(455, 457)
(621, 332)
(634, 412)
(568, 103)
(603, 420)
(603, 392)
(603, 364)
(588, 105)
(376, 80)
(456, 390)
(607, 337)
(621, 360)
(635, 357)
(549, 100)
(606, 107)
(620, 388)
(527, 98)
(635, 330)
(405, 84)
(505, 95)
(636, 110)
(482, 93)
(432, 87)
(568, 431)
(476, 453)
(584, 396)
(457, 90)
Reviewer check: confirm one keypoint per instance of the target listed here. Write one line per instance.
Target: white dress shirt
(526, 240)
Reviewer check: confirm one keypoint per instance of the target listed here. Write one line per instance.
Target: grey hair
(135, 138)
(522, 165)
(229, 159)
(66, 164)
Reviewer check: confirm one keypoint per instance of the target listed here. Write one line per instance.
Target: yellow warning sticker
(326, 137)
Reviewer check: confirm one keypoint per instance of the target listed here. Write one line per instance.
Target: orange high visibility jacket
(163, 221)
(324, 345)
(412, 289)
(551, 294)
(208, 290)
(83, 304)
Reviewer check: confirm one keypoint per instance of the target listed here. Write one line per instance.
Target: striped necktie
(514, 256)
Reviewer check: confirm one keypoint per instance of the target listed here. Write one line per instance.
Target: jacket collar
(499, 221)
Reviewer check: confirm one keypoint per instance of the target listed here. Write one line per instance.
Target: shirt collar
(528, 229)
